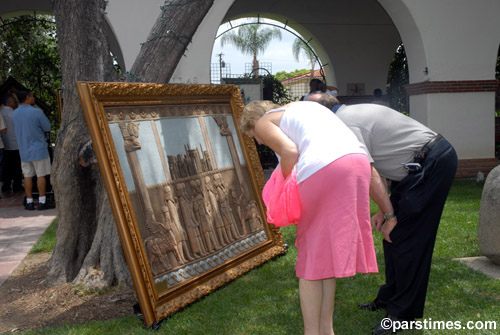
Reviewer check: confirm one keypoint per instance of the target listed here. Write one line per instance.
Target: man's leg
(41, 183)
(28, 187)
(419, 212)
(42, 170)
(1, 166)
(29, 172)
(7, 174)
(15, 170)
(386, 291)
(413, 246)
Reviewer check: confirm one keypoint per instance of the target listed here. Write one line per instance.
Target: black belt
(420, 155)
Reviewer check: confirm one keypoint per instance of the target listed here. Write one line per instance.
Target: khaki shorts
(39, 168)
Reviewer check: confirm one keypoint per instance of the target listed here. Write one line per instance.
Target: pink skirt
(334, 235)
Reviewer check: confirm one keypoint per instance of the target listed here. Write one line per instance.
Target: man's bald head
(326, 100)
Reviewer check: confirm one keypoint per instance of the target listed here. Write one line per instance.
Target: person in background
(421, 165)
(318, 86)
(379, 98)
(31, 124)
(12, 173)
(3, 129)
(334, 237)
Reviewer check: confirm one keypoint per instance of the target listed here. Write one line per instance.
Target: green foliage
(280, 94)
(267, 157)
(398, 77)
(282, 75)
(29, 53)
(251, 39)
(265, 300)
(276, 92)
(300, 47)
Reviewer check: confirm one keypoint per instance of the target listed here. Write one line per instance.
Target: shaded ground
(28, 303)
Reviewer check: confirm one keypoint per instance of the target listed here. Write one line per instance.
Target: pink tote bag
(281, 197)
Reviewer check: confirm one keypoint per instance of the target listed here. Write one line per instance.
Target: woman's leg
(317, 299)
(326, 321)
(311, 297)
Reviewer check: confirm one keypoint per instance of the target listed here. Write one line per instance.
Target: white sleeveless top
(321, 137)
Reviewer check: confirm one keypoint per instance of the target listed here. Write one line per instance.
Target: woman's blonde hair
(253, 111)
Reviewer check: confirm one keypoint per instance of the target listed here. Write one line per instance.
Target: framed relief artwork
(184, 185)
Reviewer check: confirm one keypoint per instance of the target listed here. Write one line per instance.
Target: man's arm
(379, 194)
(3, 127)
(44, 121)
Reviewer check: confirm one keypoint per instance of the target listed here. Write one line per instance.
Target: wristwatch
(388, 216)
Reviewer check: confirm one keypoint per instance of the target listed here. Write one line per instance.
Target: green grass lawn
(47, 240)
(265, 301)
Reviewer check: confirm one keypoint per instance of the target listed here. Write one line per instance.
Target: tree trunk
(168, 40)
(79, 191)
(88, 250)
(255, 65)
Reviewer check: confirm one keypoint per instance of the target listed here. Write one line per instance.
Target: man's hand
(378, 220)
(385, 226)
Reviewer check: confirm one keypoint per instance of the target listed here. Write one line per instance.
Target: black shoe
(388, 324)
(372, 306)
(30, 206)
(5, 189)
(43, 206)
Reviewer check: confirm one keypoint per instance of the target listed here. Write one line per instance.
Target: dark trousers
(418, 202)
(12, 173)
(1, 163)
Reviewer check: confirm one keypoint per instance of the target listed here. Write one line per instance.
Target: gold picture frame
(184, 185)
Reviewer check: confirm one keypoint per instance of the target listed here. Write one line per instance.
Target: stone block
(489, 217)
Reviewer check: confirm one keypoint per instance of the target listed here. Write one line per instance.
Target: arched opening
(287, 58)
(230, 26)
(397, 78)
(393, 87)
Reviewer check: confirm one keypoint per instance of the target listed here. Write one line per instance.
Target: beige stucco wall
(456, 40)
(467, 120)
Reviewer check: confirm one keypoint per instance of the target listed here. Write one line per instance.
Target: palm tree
(251, 39)
(298, 47)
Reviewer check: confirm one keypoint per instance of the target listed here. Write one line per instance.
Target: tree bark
(168, 40)
(83, 210)
(88, 250)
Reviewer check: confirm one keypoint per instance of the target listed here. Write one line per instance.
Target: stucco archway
(282, 23)
(451, 47)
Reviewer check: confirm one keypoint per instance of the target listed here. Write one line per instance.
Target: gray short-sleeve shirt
(390, 137)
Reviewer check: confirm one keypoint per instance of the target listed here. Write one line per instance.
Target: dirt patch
(27, 302)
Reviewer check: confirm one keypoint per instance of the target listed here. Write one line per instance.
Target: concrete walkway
(19, 231)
